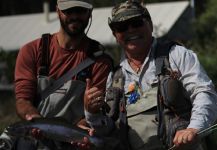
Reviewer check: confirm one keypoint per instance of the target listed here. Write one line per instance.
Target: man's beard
(79, 31)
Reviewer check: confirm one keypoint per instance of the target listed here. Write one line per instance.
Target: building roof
(20, 29)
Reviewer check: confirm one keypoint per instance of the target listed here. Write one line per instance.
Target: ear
(114, 34)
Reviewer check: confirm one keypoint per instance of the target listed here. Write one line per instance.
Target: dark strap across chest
(93, 52)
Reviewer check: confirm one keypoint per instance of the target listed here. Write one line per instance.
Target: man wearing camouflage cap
(142, 114)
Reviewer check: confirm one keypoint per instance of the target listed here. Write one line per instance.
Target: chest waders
(135, 122)
(62, 97)
(151, 123)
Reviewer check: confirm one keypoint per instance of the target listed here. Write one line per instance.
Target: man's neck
(68, 42)
(137, 57)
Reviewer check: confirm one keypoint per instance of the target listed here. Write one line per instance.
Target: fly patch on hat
(128, 10)
(66, 4)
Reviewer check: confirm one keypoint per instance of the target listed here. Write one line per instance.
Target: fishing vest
(152, 121)
(66, 101)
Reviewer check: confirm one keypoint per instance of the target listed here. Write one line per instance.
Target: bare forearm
(25, 109)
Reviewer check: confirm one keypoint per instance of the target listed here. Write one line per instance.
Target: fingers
(186, 136)
(88, 84)
(99, 100)
(82, 145)
(31, 116)
(91, 132)
(83, 125)
(86, 140)
(94, 98)
(37, 133)
(92, 92)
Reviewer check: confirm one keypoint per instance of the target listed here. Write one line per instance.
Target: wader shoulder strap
(44, 47)
(66, 77)
(173, 108)
(162, 56)
(44, 68)
(118, 83)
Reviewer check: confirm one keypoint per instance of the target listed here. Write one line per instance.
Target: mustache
(74, 21)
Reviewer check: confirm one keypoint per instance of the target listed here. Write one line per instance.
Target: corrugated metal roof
(17, 30)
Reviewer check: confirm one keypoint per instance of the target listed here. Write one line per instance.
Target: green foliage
(10, 59)
(205, 41)
(205, 26)
(7, 109)
(209, 62)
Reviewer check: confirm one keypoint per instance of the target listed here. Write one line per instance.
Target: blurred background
(191, 22)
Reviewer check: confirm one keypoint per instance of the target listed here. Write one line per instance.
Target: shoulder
(174, 49)
(179, 52)
(183, 59)
(98, 51)
(94, 46)
(31, 45)
(34, 44)
(31, 49)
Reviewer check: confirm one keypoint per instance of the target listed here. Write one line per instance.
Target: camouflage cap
(128, 10)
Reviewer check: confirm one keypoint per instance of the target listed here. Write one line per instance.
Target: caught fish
(52, 128)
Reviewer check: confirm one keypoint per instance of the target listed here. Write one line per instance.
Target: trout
(56, 129)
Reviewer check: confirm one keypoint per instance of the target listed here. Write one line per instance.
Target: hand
(184, 137)
(85, 144)
(93, 98)
(84, 125)
(35, 132)
(25, 108)
(82, 145)
(29, 117)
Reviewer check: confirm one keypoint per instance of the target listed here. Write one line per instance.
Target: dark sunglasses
(123, 26)
(75, 10)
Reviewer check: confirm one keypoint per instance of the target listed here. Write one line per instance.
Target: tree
(205, 41)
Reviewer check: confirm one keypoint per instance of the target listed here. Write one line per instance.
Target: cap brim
(125, 18)
(70, 4)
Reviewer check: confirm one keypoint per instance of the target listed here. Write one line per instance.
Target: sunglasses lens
(77, 10)
(137, 23)
(123, 26)
(120, 27)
